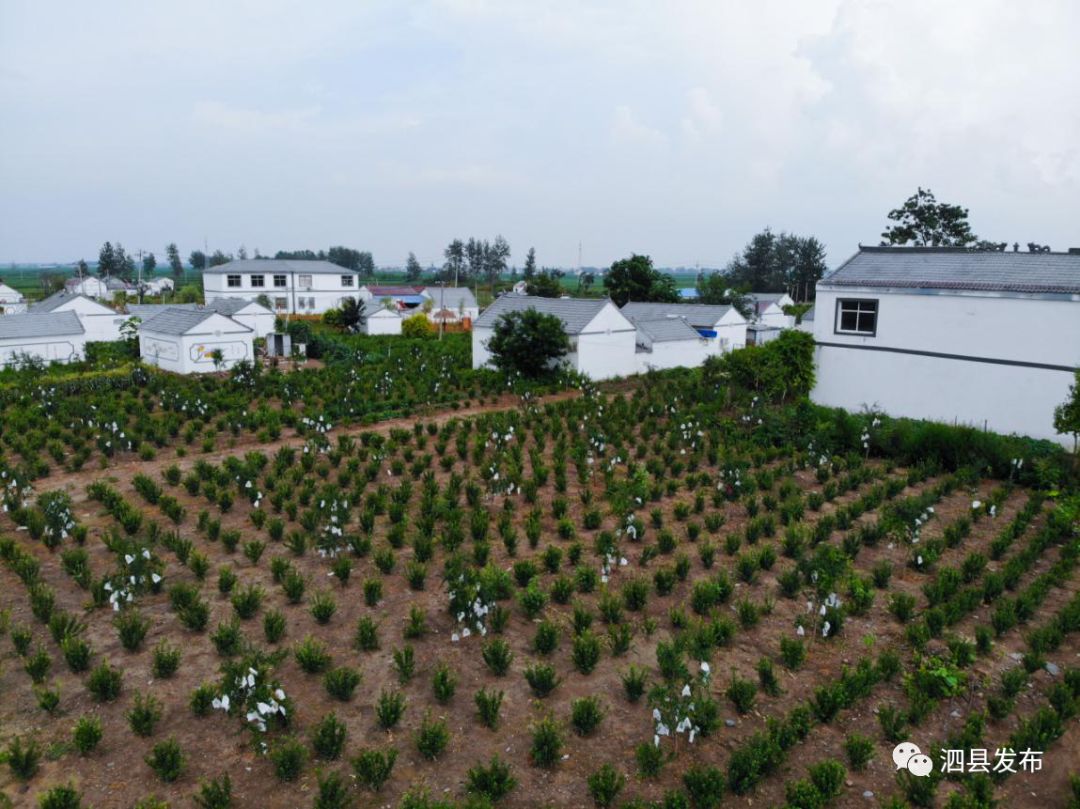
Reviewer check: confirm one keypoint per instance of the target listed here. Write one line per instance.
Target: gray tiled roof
(279, 265)
(176, 321)
(452, 298)
(667, 330)
(145, 311)
(699, 315)
(958, 269)
(223, 306)
(40, 324)
(575, 313)
(56, 300)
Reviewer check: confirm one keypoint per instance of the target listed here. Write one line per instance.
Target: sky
(678, 129)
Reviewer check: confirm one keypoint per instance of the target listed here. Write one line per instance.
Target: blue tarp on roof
(689, 292)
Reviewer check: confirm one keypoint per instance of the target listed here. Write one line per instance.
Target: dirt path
(75, 482)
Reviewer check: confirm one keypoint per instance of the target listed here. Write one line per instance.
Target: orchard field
(396, 582)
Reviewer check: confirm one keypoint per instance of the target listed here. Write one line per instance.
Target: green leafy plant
(288, 758)
(23, 758)
(586, 713)
(167, 760)
(373, 766)
(341, 682)
(389, 708)
(488, 704)
(605, 785)
(87, 734)
(144, 715)
(547, 743)
(328, 737)
(432, 737)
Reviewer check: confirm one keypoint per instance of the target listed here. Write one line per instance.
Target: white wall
(382, 322)
(192, 354)
(48, 349)
(676, 354)
(1004, 398)
(605, 348)
(260, 322)
(101, 323)
(732, 330)
(326, 290)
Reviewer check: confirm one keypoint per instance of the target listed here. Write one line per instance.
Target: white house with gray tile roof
(249, 313)
(291, 286)
(45, 336)
(722, 326)
(380, 319)
(669, 343)
(12, 301)
(184, 341)
(768, 309)
(603, 342)
(451, 304)
(989, 339)
(101, 323)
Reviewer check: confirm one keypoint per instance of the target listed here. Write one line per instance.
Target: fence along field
(515, 607)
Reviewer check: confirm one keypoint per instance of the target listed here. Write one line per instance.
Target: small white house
(157, 286)
(102, 324)
(295, 287)
(46, 336)
(769, 309)
(669, 343)
(379, 319)
(988, 339)
(185, 341)
(12, 301)
(722, 326)
(451, 304)
(249, 313)
(602, 340)
(91, 286)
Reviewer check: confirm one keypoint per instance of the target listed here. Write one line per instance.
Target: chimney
(1074, 251)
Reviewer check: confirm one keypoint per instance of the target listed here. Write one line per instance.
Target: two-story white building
(987, 339)
(602, 340)
(294, 287)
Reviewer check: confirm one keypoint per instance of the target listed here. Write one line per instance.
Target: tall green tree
(529, 343)
(413, 270)
(635, 279)
(149, 264)
(530, 264)
(1067, 414)
(922, 221)
(197, 260)
(172, 253)
(219, 258)
(544, 284)
(124, 263)
(772, 262)
(716, 289)
(107, 266)
(496, 256)
(454, 268)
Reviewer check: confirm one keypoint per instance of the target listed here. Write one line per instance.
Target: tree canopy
(771, 262)
(922, 221)
(529, 343)
(716, 289)
(544, 284)
(635, 279)
(1067, 414)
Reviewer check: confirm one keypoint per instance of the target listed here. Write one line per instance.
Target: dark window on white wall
(856, 316)
(258, 280)
(279, 281)
(232, 280)
(346, 280)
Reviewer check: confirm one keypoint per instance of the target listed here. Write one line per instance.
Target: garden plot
(592, 602)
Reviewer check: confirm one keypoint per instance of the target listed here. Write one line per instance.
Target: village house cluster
(948, 334)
